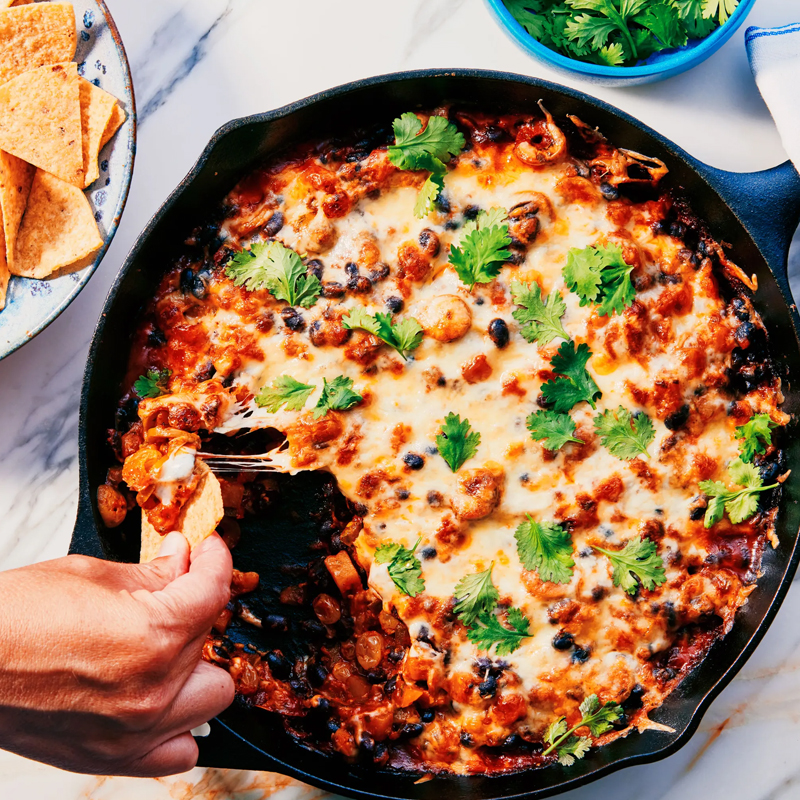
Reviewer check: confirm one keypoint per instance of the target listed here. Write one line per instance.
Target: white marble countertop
(199, 63)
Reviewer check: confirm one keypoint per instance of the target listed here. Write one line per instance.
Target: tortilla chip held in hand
(198, 518)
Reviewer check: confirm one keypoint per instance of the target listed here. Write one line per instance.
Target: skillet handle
(767, 203)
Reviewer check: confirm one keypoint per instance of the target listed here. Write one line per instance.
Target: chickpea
(327, 609)
(112, 506)
(541, 142)
(479, 492)
(446, 318)
(369, 649)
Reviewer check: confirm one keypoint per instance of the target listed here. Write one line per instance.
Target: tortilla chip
(57, 231)
(8, 3)
(97, 107)
(40, 120)
(198, 519)
(118, 116)
(16, 177)
(34, 35)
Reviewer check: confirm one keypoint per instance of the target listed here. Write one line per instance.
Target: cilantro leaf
(540, 321)
(555, 429)
(270, 265)
(664, 22)
(600, 275)
(488, 632)
(285, 391)
(526, 13)
(483, 248)
(404, 337)
(547, 548)
(756, 435)
(612, 55)
(691, 12)
(430, 190)
(429, 149)
(598, 717)
(576, 385)
(739, 503)
(639, 559)
(589, 30)
(152, 384)
(404, 568)
(625, 435)
(457, 442)
(338, 395)
(721, 9)
(475, 594)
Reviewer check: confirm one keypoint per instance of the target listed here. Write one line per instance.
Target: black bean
(479, 301)
(394, 304)
(127, 413)
(333, 725)
(293, 319)
(380, 273)
(744, 333)
(498, 332)
(678, 230)
(279, 665)
(316, 675)
(428, 553)
(677, 419)
(488, 687)
(451, 224)
(563, 640)
(466, 740)
(315, 268)
(434, 498)
(413, 461)
(313, 627)
(740, 309)
(375, 676)
(332, 290)
(609, 192)
(411, 730)
(275, 623)
(390, 686)
(580, 655)
(396, 655)
(429, 242)
(443, 204)
(198, 287)
(471, 212)
(156, 338)
(274, 223)
(187, 281)
(427, 715)
(367, 744)
(351, 268)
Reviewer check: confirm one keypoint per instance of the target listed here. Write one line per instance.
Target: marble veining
(199, 63)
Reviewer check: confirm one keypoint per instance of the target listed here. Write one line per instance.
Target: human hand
(100, 666)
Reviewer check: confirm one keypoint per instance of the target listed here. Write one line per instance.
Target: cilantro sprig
(488, 631)
(540, 320)
(430, 149)
(739, 503)
(482, 249)
(475, 594)
(552, 428)
(574, 384)
(547, 548)
(618, 32)
(600, 275)
(270, 265)
(404, 336)
(598, 717)
(457, 442)
(756, 435)
(153, 383)
(625, 435)
(284, 391)
(404, 568)
(338, 395)
(637, 562)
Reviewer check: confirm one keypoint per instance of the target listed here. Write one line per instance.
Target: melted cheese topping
(667, 354)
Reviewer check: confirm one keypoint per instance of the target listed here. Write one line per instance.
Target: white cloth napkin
(775, 60)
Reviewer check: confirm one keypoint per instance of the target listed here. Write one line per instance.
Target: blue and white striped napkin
(775, 60)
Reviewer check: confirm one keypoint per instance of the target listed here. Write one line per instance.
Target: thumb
(172, 562)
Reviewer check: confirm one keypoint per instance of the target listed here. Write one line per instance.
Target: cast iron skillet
(757, 213)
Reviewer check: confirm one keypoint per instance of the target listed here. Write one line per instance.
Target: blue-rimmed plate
(659, 66)
(32, 305)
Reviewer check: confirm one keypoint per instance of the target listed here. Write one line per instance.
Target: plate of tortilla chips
(67, 145)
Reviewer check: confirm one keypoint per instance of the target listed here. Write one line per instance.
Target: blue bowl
(659, 66)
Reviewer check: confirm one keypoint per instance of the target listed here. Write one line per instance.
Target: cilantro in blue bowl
(621, 42)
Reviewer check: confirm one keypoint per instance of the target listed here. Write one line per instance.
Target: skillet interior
(237, 148)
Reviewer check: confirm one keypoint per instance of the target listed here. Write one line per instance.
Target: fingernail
(172, 544)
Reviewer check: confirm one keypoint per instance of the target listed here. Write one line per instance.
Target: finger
(178, 754)
(208, 691)
(171, 563)
(197, 597)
